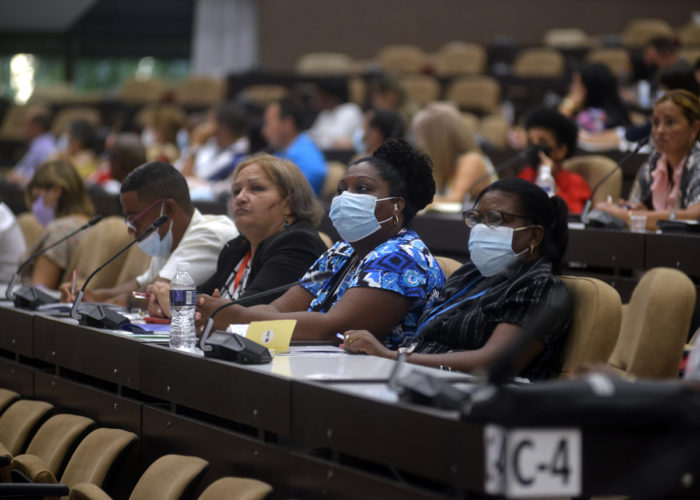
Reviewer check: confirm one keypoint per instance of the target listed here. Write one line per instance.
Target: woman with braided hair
(383, 274)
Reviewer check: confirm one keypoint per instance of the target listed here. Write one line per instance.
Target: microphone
(587, 206)
(25, 296)
(313, 278)
(156, 224)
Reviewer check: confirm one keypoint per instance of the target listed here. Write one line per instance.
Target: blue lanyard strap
(445, 306)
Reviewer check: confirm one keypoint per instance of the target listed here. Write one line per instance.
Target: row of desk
(315, 425)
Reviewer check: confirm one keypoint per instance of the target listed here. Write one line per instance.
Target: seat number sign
(532, 462)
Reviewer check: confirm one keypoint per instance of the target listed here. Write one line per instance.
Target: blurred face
(372, 139)
(258, 207)
(50, 195)
(273, 129)
(512, 216)
(539, 136)
(673, 134)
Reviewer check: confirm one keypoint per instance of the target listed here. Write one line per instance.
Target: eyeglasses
(131, 221)
(492, 218)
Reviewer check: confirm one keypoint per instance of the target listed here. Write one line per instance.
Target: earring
(286, 221)
(532, 247)
(396, 207)
(396, 220)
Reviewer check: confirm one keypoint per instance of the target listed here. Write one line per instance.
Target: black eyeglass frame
(467, 216)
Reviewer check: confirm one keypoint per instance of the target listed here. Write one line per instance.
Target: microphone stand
(11, 285)
(587, 206)
(156, 224)
(318, 276)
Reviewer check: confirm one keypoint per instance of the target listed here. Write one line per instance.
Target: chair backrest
(655, 325)
(7, 397)
(460, 58)
(448, 265)
(494, 128)
(99, 243)
(334, 172)
(264, 94)
(95, 455)
(593, 168)
(616, 59)
(31, 229)
(200, 91)
(169, 477)
(142, 91)
(479, 93)
(324, 63)
(542, 62)
(689, 35)
(566, 38)
(63, 118)
(326, 239)
(56, 438)
(19, 421)
(639, 31)
(136, 263)
(595, 324)
(690, 54)
(402, 58)
(421, 89)
(12, 127)
(236, 488)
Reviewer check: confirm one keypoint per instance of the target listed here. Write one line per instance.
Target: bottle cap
(182, 265)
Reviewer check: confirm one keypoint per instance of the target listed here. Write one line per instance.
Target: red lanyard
(241, 270)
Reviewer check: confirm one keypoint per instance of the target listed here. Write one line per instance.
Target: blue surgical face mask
(154, 246)
(491, 248)
(43, 213)
(353, 217)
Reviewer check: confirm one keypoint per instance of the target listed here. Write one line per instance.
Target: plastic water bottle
(546, 181)
(182, 304)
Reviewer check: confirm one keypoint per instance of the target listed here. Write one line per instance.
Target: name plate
(532, 462)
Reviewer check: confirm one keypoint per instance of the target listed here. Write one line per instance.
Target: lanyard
(241, 269)
(445, 306)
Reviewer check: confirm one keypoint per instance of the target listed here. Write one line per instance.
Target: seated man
(549, 128)
(283, 130)
(41, 145)
(217, 145)
(156, 189)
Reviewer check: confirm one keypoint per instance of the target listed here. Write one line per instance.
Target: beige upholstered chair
(236, 488)
(168, 478)
(690, 54)
(98, 244)
(640, 31)
(401, 59)
(49, 448)
(460, 58)
(593, 168)
(18, 422)
(64, 117)
(326, 239)
(566, 38)
(324, 63)
(7, 397)
(200, 91)
(494, 128)
(480, 94)
(689, 35)
(541, 62)
(264, 94)
(421, 89)
(655, 325)
(448, 265)
(595, 324)
(12, 127)
(335, 171)
(31, 229)
(142, 91)
(616, 59)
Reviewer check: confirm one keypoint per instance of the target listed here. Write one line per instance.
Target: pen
(340, 336)
(72, 283)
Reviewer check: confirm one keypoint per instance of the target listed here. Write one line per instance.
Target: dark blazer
(280, 259)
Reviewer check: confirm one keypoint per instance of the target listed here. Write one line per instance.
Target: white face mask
(491, 248)
(154, 246)
(352, 215)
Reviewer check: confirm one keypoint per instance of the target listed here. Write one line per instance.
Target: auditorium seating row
(43, 452)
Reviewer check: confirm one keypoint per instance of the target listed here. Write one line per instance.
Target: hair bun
(415, 168)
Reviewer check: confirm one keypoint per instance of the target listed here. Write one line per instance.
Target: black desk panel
(17, 377)
(217, 387)
(92, 352)
(16, 330)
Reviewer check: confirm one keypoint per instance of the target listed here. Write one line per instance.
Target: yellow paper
(274, 334)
